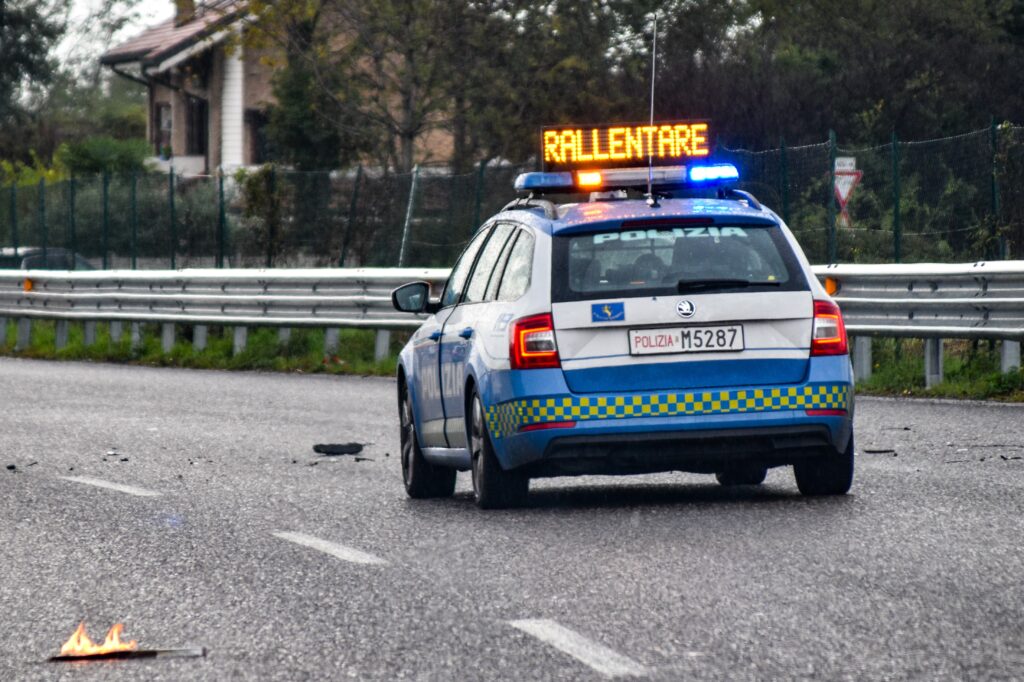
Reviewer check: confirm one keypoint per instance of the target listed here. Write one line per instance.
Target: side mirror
(413, 298)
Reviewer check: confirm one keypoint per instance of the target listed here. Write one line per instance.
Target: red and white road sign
(845, 182)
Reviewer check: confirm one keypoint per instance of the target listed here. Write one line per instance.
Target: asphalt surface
(917, 574)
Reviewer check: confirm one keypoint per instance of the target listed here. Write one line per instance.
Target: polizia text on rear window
(671, 260)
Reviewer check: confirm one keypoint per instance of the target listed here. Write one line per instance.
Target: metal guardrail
(977, 300)
(983, 300)
(328, 298)
(283, 298)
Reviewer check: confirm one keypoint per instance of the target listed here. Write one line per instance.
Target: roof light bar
(663, 177)
(541, 182)
(715, 172)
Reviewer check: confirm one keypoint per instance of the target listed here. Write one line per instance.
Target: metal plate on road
(686, 340)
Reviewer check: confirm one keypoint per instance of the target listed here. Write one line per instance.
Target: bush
(102, 153)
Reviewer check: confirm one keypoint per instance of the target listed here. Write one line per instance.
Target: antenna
(652, 200)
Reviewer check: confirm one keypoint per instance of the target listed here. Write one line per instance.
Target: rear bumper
(546, 430)
(694, 451)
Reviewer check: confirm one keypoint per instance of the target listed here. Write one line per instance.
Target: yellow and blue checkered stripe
(507, 418)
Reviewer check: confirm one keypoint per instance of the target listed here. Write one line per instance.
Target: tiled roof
(163, 40)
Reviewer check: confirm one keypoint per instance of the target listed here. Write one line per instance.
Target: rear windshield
(670, 260)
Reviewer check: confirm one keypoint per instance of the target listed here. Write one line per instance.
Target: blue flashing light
(526, 182)
(711, 173)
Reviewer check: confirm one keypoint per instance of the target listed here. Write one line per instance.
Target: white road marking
(334, 549)
(100, 483)
(599, 657)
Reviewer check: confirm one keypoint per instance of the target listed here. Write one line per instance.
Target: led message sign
(672, 143)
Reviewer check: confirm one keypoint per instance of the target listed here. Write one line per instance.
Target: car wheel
(422, 479)
(746, 476)
(493, 487)
(828, 475)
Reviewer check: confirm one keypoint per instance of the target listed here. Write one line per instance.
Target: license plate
(686, 340)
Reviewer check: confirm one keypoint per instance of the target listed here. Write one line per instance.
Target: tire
(493, 487)
(421, 478)
(828, 475)
(753, 475)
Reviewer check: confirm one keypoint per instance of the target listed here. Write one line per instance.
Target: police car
(670, 323)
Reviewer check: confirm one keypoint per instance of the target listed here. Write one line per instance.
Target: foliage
(971, 370)
(27, 33)
(104, 154)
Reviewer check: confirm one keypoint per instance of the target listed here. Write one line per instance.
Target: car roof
(595, 215)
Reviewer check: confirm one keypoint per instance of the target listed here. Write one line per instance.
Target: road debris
(365, 459)
(335, 449)
(12, 467)
(80, 648)
(880, 451)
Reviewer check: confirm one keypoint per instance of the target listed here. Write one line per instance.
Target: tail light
(828, 336)
(533, 343)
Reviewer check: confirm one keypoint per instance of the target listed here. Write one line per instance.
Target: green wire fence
(954, 199)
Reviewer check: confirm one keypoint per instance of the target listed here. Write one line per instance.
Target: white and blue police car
(681, 331)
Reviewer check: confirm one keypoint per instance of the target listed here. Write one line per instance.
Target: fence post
(784, 179)
(174, 219)
(134, 218)
(241, 335)
(932, 362)
(351, 216)
(272, 218)
(221, 220)
(167, 337)
(61, 334)
(43, 232)
(3, 332)
(479, 195)
(897, 228)
(408, 213)
(199, 337)
(14, 217)
(89, 333)
(994, 139)
(72, 227)
(382, 344)
(832, 196)
(24, 337)
(861, 358)
(104, 237)
(1009, 356)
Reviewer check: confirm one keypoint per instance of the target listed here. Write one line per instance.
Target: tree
(27, 34)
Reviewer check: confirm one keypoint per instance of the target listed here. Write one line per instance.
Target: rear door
(680, 307)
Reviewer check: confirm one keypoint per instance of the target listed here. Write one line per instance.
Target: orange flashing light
(589, 179)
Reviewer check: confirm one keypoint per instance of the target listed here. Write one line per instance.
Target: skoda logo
(685, 309)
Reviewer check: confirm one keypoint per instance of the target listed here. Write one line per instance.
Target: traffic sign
(846, 179)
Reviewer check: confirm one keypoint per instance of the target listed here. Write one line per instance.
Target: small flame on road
(79, 643)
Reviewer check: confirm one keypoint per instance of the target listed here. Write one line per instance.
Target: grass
(971, 371)
(302, 353)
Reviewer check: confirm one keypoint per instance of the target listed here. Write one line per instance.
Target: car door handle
(466, 333)
(436, 336)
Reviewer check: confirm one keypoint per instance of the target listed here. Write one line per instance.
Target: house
(208, 95)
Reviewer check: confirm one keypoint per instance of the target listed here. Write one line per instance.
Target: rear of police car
(690, 335)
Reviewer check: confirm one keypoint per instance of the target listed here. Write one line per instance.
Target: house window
(197, 121)
(164, 127)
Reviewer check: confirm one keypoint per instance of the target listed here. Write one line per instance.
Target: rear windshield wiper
(685, 285)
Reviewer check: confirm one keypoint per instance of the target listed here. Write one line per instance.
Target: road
(224, 530)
